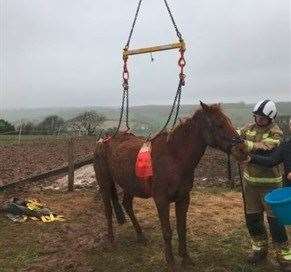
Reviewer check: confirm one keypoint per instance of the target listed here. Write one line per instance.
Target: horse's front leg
(163, 207)
(181, 206)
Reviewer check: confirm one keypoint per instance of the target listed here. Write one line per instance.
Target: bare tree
(51, 124)
(87, 123)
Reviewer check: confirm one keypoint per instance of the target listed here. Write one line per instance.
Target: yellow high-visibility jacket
(260, 139)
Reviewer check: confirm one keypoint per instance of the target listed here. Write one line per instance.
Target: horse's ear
(204, 106)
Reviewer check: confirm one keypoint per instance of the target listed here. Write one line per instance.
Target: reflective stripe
(265, 135)
(271, 141)
(262, 180)
(286, 254)
(249, 145)
(251, 133)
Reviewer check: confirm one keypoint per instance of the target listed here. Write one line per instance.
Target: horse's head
(219, 132)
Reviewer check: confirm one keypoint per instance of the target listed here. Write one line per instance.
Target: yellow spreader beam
(180, 45)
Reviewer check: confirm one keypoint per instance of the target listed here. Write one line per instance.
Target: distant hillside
(38, 114)
(153, 114)
(241, 112)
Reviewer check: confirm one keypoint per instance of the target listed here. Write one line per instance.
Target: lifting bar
(179, 45)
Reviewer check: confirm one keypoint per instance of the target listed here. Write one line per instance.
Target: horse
(175, 155)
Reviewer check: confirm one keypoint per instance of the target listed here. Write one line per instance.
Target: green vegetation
(217, 239)
(6, 127)
(15, 254)
(213, 254)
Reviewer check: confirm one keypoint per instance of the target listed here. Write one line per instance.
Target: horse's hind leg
(104, 183)
(127, 204)
(108, 213)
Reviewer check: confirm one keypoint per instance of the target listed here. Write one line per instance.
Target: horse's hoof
(187, 261)
(141, 239)
(105, 242)
(173, 268)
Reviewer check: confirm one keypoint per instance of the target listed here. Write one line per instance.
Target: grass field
(218, 241)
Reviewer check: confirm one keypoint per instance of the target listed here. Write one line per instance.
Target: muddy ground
(217, 238)
(39, 155)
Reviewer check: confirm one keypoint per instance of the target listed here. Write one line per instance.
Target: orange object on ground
(143, 165)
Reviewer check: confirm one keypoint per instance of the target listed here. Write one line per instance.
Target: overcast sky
(68, 52)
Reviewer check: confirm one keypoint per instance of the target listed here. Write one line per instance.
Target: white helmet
(266, 108)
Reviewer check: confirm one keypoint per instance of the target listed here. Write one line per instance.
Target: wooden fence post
(71, 164)
(230, 180)
(20, 132)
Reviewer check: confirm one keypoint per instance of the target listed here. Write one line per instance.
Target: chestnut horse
(174, 157)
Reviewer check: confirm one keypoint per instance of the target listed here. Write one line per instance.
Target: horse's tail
(119, 212)
(106, 182)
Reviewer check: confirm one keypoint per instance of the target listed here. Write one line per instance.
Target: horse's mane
(185, 124)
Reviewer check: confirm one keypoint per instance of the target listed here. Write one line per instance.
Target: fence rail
(47, 174)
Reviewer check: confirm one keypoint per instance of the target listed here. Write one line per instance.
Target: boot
(280, 239)
(259, 252)
(283, 254)
(257, 230)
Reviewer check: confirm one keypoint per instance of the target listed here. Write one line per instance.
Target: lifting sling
(125, 74)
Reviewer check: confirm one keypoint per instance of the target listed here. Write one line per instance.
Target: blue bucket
(280, 202)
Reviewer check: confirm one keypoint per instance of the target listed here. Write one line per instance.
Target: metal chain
(121, 113)
(171, 113)
(125, 96)
(127, 111)
(177, 100)
(123, 109)
(176, 104)
(179, 35)
(133, 24)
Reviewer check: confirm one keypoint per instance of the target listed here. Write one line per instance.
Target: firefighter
(282, 154)
(261, 137)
